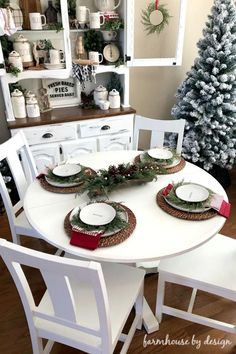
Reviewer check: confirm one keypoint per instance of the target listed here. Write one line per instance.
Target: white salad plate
(160, 154)
(50, 66)
(192, 193)
(97, 214)
(66, 170)
(62, 185)
(199, 210)
(123, 215)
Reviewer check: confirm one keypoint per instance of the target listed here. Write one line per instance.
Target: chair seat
(120, 298)
(213, 263)
(23, 227)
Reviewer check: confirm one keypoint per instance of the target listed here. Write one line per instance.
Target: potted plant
(93, 41)
(113, 24)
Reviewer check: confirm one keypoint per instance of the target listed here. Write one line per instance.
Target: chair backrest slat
(22, 166)
(59, 275)
(158, 129)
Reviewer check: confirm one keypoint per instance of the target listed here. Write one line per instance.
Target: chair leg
(192, 300)
(139, 307)
(37, 344)
(160, 297)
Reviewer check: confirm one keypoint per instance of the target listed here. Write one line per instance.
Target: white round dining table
(157, 234)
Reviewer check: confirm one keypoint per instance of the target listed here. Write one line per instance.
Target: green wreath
(146, 21)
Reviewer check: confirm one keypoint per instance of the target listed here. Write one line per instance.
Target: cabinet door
(45, 156)
(77, 148)
(155, 49)
(113, 143)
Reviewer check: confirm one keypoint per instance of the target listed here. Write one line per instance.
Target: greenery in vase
(172, 197)
(55, 26)
(115, 83)
(116, 224)
(113, 24)
(13, 70)
(116, 176)
(71, 7)
(4, 3)
(93, 41)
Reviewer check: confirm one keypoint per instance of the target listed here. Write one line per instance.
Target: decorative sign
(63, 92)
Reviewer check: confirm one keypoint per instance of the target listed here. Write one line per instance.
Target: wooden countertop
(68, 114)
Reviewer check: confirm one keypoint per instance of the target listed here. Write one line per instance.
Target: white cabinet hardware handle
(105, 127)
(47, 135)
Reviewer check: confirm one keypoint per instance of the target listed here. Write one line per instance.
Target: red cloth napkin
(85, 239)
(220, 205)
(167, 190)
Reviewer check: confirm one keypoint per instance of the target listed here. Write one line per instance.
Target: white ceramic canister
(15, 59)
(18, 104)
(29, 94)
(100, 93)
(114, 99)
(32, 108)
(22, 46)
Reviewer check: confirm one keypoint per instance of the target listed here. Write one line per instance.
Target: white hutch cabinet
(65, 132)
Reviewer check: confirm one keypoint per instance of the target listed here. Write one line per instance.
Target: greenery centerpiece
(116, 224)
(106, 180)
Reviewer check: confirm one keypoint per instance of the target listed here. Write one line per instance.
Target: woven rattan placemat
(183, 214)
(170, 170)
(114, 239)
(63, 190)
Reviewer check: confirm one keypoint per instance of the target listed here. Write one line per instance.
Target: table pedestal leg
(149, 320)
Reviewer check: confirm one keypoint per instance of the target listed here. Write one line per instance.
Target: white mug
(96, 20)
(104, 105)
(37, 21)
(81, 13)
(56, 56)
(94, 56)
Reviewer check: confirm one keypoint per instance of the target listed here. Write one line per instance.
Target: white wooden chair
(158, 129)
(85, 305)
(211, 268)
(23, 172)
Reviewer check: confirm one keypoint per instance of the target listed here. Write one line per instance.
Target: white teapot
(106, 5)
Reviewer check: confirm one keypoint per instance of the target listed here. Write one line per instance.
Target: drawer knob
(47, 135)
(105, 127)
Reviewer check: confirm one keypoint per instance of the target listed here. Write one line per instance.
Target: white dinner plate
(160, 154)
(123, 215)
(62, 185)
(192, 193)
(97, 214)
(66, 170)
(199, 210)
(175, 162)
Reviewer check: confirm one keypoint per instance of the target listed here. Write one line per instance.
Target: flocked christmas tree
(207, 97)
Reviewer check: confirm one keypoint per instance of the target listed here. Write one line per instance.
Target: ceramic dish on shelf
(66, 170)
(160, 154)
(62, 185)
(191, 192)
(50, 66)
(197, 210)
(123, 215)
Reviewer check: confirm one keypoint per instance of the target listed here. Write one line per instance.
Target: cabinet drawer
(105, 126)
(50, 134)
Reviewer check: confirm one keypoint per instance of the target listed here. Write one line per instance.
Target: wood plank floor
(14, 335)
